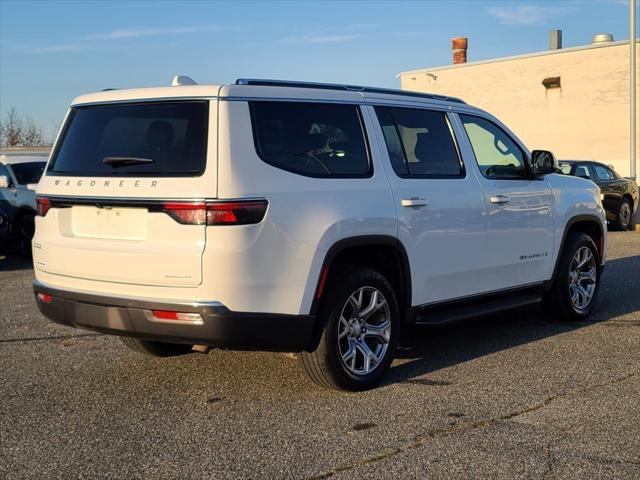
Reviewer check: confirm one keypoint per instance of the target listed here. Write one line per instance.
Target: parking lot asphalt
(510, 396)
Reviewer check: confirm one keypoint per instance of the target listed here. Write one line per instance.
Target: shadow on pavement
(429, 349)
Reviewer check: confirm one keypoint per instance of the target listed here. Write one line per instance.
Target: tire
(377, 332)
(25, 228)
(566, 301)
(155, 349)
(623, 217)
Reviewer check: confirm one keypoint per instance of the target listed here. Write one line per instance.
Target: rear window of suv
(143, 139)
(311, 139)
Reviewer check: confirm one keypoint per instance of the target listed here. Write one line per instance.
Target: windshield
(565, 168)
(144, 139)
(28, 172)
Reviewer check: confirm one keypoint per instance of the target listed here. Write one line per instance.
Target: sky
(52, 51)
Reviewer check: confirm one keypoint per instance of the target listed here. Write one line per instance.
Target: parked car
(299, 217)
(19, 174)
(619, 194)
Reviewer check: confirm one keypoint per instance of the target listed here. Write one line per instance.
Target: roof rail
(338, 86)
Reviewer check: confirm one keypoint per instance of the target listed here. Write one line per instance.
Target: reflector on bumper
(177, 318)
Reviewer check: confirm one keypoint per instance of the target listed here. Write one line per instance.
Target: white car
(19, 173)
(303, 217)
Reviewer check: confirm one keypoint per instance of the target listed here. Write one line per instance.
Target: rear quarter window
(170, 137)
(311, 139)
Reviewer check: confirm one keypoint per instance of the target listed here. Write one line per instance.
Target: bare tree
(18, 131)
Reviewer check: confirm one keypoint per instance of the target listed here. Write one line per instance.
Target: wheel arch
(589, 224)
(365, 250)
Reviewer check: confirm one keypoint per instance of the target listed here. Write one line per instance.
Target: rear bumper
(220, 327)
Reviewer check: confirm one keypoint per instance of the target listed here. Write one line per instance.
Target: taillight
(187, 213)
(242, 212)
(237, 212)
(43, 205)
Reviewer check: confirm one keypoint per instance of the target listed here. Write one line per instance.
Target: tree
(19, 131)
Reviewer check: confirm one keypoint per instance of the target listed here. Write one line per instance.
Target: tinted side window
(602, 173)
(392, 139)
(312, 139)
(498, 156)
(582, 171)
(420, 142)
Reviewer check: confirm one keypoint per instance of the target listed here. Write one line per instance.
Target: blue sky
(52, 51)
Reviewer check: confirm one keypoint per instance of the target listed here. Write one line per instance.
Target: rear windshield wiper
(124, 161)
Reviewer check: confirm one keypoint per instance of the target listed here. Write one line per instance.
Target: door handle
(414, 202)
(499, 199)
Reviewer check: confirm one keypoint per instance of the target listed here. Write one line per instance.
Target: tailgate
(138, 244)
(105, 198)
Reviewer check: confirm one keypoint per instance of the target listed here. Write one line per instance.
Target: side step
(443, 314)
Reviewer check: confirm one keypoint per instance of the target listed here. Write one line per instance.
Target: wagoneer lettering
(311, 218)
(107, 183)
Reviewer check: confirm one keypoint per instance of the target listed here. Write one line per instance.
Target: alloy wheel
(364, 331)
(583, 276)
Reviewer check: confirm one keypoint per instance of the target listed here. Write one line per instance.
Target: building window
(551, 82)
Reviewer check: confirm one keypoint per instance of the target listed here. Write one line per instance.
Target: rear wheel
(623, 219)
(155, 349)
(575, 286)
(360, 335)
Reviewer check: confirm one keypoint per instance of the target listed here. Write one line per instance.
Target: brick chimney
(459, 49)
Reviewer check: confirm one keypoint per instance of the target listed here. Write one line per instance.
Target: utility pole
(632, 87)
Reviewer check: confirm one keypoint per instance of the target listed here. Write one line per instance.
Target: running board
(443, 314)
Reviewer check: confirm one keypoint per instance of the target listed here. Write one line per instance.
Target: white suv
(20, 171)
(302, 217)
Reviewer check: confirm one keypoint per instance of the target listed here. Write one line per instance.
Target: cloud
(525, 14)
(151, 32)
(36, 50)
(89, 41)
(71, 47)
(320, 38)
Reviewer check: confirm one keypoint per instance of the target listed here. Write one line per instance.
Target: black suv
(619, 194)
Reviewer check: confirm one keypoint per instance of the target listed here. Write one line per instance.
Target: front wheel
(358, 344)
(623, 219)
(575, 286)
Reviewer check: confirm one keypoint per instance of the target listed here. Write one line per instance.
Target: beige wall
(587, 118)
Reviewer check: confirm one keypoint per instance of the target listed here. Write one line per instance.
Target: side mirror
(4, 181)
(542, 163)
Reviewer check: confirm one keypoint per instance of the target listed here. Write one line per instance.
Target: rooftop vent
(180, 80)
(602, 38)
